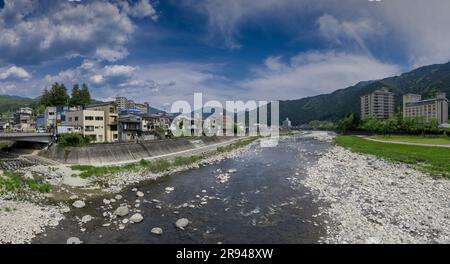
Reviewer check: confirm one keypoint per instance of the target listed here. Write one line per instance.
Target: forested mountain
(425, 81)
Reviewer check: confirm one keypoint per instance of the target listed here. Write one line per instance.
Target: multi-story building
(50, 117)
(23, 120)
(122, 103)
(141, 107)
(130, 127)
(90, 123)
(378, 104)
(436, 108)
(111, 119)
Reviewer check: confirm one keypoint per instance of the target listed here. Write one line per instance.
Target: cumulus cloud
(313, 73)
(33, 31)
(143, 9)
(14, 73)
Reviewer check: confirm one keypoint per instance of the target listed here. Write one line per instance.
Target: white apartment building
(379, 104)
(436, 108)
(90, 123)
(122, 103)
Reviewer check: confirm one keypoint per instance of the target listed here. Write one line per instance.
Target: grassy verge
(434, 160)
(157, 166)
(436, 140)
(11, 182)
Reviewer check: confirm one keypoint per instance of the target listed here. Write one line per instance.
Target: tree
(350, 122)
(56, 96)
(85, 95)
(76, 96)
(45, 98)
(59, 95)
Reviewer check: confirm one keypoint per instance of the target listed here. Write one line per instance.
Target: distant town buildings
(4, 126)
(23, 120)
(378, 104)
(430, 109)
(286, 124)
(124, 104)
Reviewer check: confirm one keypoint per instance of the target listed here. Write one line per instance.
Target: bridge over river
(27, 137)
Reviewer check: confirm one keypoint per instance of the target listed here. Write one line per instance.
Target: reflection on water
(255, 198)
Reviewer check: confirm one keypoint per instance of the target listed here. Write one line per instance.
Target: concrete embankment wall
(119, 152)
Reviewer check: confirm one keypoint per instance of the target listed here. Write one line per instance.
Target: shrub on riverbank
(73, 140)
(10, 182)
(434, 160)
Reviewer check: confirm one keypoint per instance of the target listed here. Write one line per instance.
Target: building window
(99, 118)
(89, 128)
(89, 118)
(76, 118)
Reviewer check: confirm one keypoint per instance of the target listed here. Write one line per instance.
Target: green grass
(435, 140)
(11, 182)
(434, 160)
(156, 166)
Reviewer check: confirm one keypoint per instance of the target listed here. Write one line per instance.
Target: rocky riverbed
(23, 216)
(305, 190)
(375, 201)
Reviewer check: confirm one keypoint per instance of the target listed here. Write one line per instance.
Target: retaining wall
(118, 152)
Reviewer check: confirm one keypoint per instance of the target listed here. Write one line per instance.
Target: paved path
(404, 143)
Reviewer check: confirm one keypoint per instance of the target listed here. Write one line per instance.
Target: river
(262, 202)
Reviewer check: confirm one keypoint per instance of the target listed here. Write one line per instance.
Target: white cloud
(14, 73)
(349, 32)
(118, 70)
(143, 9)
(33, 31)
(313, 73)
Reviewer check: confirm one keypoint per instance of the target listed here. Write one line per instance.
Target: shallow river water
(262, 202)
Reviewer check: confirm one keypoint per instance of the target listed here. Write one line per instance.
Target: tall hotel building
(436, 108)
(379, 104)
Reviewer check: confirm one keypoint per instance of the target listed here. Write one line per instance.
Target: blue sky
(162, 51)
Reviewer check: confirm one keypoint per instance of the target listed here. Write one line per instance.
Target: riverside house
(111, 119)
(90, 123)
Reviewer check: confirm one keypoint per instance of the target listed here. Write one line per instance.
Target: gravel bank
(375, 201)
(21, 221)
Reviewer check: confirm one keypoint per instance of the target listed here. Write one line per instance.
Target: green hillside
(425, 81)
(10, 103)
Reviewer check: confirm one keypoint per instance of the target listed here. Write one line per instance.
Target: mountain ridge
(424, 80)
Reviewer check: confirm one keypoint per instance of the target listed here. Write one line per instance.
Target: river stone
(118, 197)
(157, 231)
(134, 190)
(136, 218)
(74, 240)
(73, 197)
(86, 218)
(121, 211)
(182, 223)
(106, 201)
(79, 204)
(139, 194)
